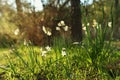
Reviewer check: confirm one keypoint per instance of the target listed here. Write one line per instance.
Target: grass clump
(80, 62)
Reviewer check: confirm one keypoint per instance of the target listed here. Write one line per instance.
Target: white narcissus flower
(64, 52)
(48, 48)
(49, 33)
(88, 24)
(16, 32)
(109, 24)
(66, 28)
(57, 28)
(94, 23)
(76, 42)
(44, 53)
(25, 42)
(59, 24)
(83, 25)
(84, 28)
(98, 26)
(62, 23)
(44, 29)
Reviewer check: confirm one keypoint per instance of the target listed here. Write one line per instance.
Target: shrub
(6, 40)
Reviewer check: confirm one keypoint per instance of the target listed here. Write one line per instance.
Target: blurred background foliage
(29, 22)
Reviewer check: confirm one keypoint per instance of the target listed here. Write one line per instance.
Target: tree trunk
(117, 16)
(19, 14)
(19, 5)
(76, 20)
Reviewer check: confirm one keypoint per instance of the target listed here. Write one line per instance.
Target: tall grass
(26, 63)
(98, 48)
(86, 61)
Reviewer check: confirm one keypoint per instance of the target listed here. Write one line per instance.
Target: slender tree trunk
(19, 14)
(19, 5)
(117, 16)
(76, 22)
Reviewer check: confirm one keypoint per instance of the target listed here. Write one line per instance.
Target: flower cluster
(84, 29)
(45, 51)
(47, 31)
(94, 25)
(62, 25)
(27, 42)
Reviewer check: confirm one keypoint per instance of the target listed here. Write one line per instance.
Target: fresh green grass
(3, 52)
(26, 63)
(93, 59)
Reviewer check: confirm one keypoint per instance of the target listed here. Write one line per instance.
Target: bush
(6, 41)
